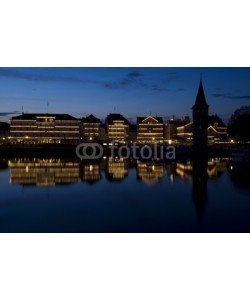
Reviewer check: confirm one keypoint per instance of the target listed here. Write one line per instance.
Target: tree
(215, 119)
(239, 124)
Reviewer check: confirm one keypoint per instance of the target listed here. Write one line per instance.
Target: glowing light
(172, 178)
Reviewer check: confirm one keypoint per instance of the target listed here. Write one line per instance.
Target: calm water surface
(64, 195)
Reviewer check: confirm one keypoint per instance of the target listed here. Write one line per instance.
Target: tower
(200, 121)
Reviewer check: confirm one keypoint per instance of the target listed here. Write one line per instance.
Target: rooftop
(116, 117)
(34, 116)
(91, 119)
(141, 119)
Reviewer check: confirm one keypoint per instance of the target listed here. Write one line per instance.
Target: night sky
(131, 91)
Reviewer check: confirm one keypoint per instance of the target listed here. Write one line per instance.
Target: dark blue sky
(130, 91)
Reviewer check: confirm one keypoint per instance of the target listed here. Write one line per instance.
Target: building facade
(184, 133)
(171, 128)
(91, 128)
(216, 131)
(44, 128)
(150, 130)
(103, 133)
(117, 128)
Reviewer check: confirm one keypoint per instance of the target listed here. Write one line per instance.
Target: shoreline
(55, 150)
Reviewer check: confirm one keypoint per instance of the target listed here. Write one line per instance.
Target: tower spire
(200, 98)
(200, 120)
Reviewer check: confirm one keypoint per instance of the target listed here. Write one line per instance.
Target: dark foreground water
(58, 195)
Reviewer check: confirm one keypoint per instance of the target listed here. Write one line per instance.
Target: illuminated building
(91, 128)
(171, 128)
(103, 133)
(150, 130)
(44, 128)
(216, 131)
(184, 133)
(117, 128)
(43, 172)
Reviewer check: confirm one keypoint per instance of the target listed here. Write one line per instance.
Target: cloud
(134, 74)
(10, 73)
(140, 81)
(158, 88)
(219, 95)
(134, 79)
(229, 96)
(131, 79)
(245, 97)
(15, 112)
(19, 98)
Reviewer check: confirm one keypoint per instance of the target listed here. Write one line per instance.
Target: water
(64, 195)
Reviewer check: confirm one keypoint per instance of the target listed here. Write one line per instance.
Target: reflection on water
(50, 172)
(43, 172)
(240, 179)
(200, 175)
(116, 169)
(150, 196)
(149, 172)
(184, 170)
(91, 173)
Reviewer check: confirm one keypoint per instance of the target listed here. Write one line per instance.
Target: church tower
(200, 121)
